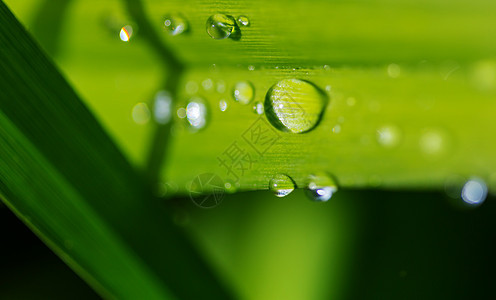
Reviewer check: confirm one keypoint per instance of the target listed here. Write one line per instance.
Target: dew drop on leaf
(196, 113)
(258, 108)
(126, 33)
(244, 92)
(244, 21)
(320, 187)
(207, 84)
(388, 136)
(281, 185)
(474, 191)
(141, 113)
(294, 105)
(432, 142)
(175, 24)
(162, 107)
(221, 26)
(222, 105)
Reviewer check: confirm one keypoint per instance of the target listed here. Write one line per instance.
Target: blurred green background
(360, 245)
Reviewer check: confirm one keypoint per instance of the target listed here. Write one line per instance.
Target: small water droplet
(320, 187)
(207, 84)
(126, 33)
(221, 26)
(222, 105)
(281, 185)
(394, 70)
(175, 24)
(191, 87)
(474, 192)
(196, 113)
(294, 105)
(162, 107)
(351, 101)
(336, 128)
(221, 86)
(328, 88)
(388, 136)
(258, 108)
(244, 92)
(181, 113)
(327, 67)
(244, 21)
(432, 142)
(141, 113)
(251, 68)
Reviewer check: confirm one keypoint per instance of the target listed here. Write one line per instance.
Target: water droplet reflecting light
(220, 26)
(474, 191)
(294, 105)
(126, 33)
(258, 108)
(432, 142)
(281, 185)
(388, 136)
(162, 107)
(175, 24)
(222, 105)
(243, 21)
(320, 187)
(196, 113)
(244, 92)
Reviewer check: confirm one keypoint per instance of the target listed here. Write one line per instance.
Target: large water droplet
(126, 33)
(175, 24)
(281, 185)
(196, 113)
(244, 92)
(320, 187)
(294, 105)
(474, 191)
(243, 21)
(221, 26)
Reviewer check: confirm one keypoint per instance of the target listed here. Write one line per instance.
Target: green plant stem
(64, 177)
(161, 137)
